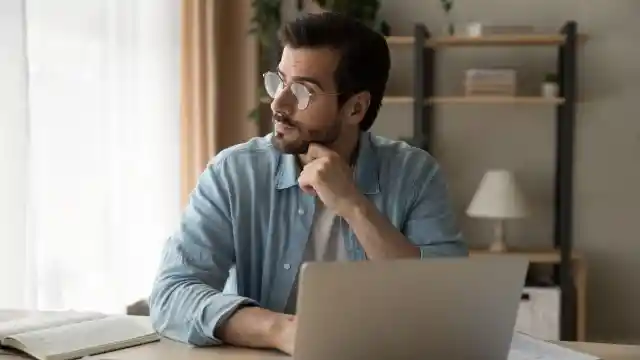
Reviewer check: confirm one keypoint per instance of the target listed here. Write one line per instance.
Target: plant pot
(549, 89)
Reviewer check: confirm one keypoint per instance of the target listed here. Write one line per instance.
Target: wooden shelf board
(400, 40)
(533, 100)
(535, 256)
(488, 40)
(397, 100)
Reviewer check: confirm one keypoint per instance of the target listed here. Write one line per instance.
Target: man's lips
(281, 127)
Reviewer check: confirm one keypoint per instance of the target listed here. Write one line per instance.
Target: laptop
(440, 308)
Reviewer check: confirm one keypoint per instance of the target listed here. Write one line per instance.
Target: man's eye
(300, 89)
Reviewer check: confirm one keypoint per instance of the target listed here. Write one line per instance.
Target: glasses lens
(272, 84)
(302, 94)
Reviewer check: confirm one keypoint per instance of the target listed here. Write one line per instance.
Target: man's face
(296, 123)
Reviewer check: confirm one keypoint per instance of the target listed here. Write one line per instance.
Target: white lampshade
(498, 196)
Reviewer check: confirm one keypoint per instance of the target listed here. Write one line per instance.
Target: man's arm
(430, 229)
(258, 328)
(187, 303)
(377, 235)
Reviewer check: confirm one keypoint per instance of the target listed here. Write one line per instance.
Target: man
(319, 188)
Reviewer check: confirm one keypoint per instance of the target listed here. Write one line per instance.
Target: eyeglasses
(274, 84)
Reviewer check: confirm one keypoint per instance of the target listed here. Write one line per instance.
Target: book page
(525, 347)
(43, 321)
(88, 337)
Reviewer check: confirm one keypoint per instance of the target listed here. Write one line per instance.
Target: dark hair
(364, 54)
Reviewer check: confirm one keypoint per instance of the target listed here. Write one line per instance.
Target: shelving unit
(566, 40)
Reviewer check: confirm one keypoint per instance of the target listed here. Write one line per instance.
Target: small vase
(549, 89)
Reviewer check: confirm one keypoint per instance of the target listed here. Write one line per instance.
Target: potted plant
(447, 6)
(550, 86)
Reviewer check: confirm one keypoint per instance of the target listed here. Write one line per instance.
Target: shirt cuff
(219, 310)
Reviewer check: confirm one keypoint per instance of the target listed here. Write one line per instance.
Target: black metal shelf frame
(424, 88)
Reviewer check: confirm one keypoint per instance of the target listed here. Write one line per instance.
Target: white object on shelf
(539, 313)
(474, 29)
(550, 89)
(498, 197)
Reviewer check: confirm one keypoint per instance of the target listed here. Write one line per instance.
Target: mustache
(281, 118)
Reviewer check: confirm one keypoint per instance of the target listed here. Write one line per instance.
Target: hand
(330, 178)
(284, 333)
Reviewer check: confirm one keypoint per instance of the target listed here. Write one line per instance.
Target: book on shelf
(73, 335)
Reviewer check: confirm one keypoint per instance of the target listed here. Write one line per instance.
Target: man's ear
(357, 106)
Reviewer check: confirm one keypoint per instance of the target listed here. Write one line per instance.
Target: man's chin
(289, 147)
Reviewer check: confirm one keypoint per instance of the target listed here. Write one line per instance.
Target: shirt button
(301, 211)
(287, 266)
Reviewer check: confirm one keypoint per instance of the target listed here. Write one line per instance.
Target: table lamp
(498, 197)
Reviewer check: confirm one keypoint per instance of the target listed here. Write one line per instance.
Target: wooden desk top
(171, 350)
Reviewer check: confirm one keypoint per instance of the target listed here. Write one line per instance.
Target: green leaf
(447, 5)
(254, 114)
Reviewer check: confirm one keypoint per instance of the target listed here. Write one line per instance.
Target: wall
(13, 141)
(472, 138)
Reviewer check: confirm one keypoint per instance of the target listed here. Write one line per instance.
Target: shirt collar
(366, 168)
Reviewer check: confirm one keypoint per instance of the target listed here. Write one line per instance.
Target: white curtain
(102, 151)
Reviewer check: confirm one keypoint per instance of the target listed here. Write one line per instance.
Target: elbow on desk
(173, 319)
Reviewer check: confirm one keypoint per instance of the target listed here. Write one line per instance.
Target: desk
(171, 350)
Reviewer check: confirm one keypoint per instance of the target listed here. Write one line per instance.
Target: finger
(317, 151)
(308, 189)
(305, 181)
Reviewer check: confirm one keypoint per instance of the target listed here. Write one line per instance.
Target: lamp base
(498, 246)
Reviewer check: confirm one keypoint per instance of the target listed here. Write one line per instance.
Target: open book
(72, 335)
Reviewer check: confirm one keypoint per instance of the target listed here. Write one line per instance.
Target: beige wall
(470, 139)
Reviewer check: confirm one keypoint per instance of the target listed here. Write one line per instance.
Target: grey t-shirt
(325, 244)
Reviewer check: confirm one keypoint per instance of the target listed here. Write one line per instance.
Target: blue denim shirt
(243, 233)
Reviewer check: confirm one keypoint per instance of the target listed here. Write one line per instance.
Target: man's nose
(284, 102)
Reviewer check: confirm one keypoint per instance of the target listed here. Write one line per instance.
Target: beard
(296, 139)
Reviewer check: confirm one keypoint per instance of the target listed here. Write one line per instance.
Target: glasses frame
(287, 87)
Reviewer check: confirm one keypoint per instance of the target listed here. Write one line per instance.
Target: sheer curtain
(103, 151)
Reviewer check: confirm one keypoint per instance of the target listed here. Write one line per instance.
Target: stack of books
(490, 82)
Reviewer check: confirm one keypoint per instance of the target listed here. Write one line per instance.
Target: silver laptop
(441, 308)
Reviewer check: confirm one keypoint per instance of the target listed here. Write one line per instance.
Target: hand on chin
(330, 178)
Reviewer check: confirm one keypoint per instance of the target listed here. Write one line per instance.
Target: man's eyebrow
(302, 79)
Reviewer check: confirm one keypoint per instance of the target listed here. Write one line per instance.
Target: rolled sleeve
(431, 223)
(187, 303)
